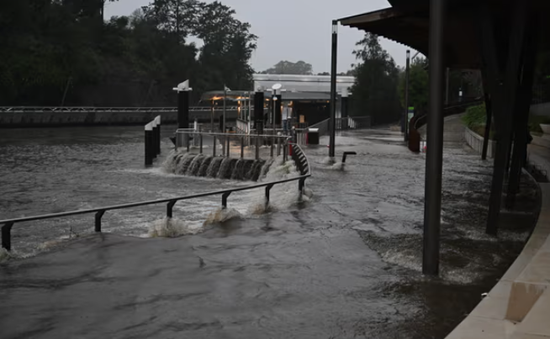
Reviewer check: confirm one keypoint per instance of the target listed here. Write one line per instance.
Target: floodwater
(344, 262)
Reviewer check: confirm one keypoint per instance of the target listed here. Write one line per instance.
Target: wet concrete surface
(343, 264)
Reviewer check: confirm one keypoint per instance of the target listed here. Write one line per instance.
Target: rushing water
(344, 263)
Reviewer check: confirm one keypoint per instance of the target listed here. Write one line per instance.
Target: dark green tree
(288, 67)
(374, 92)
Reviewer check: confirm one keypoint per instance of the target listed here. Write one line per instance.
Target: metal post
(212, 116)
(98, 217)
(434, 158)
(508, 95)
(214, 147)
(6, 236)
(489, 116)
(200, 143)
(159, 123)
(183, 109)
(169, 209)
(242, 148)
(224, 107)
(228, 154)
(224, 199)
(257, 148)
(154, 139)
(272, 145)
(407, 73)
(447, 87)
(334, 69)
(148, 141)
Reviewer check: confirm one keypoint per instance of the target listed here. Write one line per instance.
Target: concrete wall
(91, 118)
(475, 141)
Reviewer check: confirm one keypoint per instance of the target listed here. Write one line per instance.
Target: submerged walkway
(518, 307)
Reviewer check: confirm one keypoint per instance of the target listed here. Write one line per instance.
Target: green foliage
(535, 121)
(288, 67)
(374, 92)
(127, 61)
(418, 85)
(475, 116)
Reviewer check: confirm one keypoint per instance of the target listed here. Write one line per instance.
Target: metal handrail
(22, 109)
(100, 211)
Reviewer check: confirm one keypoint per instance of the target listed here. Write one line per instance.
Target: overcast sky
(294, 29)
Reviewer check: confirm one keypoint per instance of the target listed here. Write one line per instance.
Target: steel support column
(505, 96)
(333, 71)
(523, 104)
(434, 158)
(406, 113)
(489, 116)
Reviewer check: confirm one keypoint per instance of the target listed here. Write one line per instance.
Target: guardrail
(185, 135)
(31, 109)
(171, 202)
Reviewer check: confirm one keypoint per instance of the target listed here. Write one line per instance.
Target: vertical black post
(183, 109)
(489, 116)
(447, 86)
(159, 131)
(333, 70)
(258, 110)
(278, 111)
(407, 73)
(154, 139)
(523, 104)
(214, 147)
(509, 91)
(434, 158)
(148, 142)
(6, 236)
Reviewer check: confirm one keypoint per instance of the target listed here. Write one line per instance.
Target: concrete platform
(518, 307)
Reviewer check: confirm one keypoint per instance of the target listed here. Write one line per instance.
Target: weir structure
(499, 37)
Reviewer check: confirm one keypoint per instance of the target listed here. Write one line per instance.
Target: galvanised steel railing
(301, 162)
(31, 109)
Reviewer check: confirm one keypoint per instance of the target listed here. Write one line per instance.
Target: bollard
(169, 208)
(224, 200)
(148, 141)
(154, 139)
(159, 131)
(214, 148)
(242, 148)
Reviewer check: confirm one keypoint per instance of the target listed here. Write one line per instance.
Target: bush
(475, 117)
(535, 121)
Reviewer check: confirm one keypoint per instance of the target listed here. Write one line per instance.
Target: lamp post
(407, 73)
(274, 88)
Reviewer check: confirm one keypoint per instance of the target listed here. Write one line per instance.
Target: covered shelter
(499, 37)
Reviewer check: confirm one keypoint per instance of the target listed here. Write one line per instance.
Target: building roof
(408, 23)
(303, 83)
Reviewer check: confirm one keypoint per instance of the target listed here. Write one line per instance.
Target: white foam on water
(222, 215)
(171, 228)
(328, 161)
(4, 255)
(339, 166)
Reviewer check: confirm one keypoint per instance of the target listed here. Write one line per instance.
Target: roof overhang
(410, 25)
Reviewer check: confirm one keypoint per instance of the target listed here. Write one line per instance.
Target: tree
(374, 92)
(418, 84)
(288, 67)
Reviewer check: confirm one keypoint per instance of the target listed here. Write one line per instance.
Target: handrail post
(98, 217)
(214, 147)
(267, 189)
(224, 199)
(257, 148)
(272, 146)
(301, 185)
(169, 208)
(242, 147)
(6, 236)
(228, 145)
(200, 143)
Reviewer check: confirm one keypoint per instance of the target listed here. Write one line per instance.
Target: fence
(170, 202)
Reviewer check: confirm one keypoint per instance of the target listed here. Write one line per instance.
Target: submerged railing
(297, 153)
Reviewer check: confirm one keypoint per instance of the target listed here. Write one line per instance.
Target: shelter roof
(408, 23)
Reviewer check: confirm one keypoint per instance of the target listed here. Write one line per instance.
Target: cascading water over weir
(200, 165)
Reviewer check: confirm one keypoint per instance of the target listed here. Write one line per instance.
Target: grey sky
(294, 29)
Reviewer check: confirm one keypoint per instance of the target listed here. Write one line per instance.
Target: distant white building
(303, 83)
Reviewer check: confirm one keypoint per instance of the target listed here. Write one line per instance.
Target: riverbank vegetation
(63, 52)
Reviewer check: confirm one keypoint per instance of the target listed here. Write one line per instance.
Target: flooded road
(344, 263)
